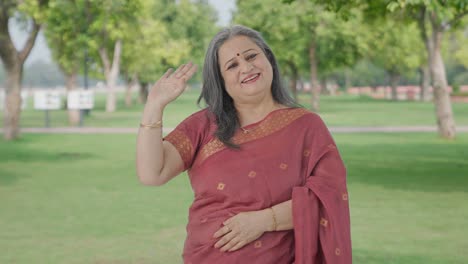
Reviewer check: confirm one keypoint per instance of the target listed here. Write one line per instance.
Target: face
(246, 71)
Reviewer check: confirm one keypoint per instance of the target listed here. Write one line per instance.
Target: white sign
(80, 99)
(24, 99)
(47, 100)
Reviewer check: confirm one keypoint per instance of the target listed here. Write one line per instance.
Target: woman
(269, 183)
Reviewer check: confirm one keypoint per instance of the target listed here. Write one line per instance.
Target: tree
(435, 18)
(33, 13)
(110, 22)
(395, 47)
(151, 49)
(64, 31)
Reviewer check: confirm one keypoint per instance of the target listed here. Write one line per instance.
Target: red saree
(288, 155)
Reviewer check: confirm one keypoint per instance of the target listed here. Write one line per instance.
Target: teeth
(251, 78)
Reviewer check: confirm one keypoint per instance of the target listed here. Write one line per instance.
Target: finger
(228, 221)
(191, 72)
(164, 76)
(238, 246)
(222, 231)
(177, 72)
(168, 73)
(234, 241)
(225, 239)
(187, 68)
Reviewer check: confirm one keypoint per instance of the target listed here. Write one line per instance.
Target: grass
(75, 199)
(336, 111)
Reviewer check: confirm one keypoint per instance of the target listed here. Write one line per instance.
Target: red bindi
(238, 54)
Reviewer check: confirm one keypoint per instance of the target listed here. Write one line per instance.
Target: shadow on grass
(8, 177)
(19, 153)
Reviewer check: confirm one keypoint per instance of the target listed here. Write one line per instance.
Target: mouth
(251, 78)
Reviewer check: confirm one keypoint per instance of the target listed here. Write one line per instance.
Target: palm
(172, 84)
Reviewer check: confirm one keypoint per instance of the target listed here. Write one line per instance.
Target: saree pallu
(289, 155)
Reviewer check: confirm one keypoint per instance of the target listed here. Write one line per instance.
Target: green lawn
(336, 111)
(75, 199)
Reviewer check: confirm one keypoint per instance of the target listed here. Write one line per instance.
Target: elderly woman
(269, 183)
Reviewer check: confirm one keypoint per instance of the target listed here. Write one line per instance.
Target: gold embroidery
(306, 153)
(324, 222)
(258, 244)
(252, 174)
(182, 143)
(337, 251)
(271, 124)
(283, 166)
(345, 196)
(221, 186)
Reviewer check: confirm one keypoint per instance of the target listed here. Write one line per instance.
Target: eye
(251, 56)
(232, 66)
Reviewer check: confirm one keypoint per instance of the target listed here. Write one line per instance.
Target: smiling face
(246, 71)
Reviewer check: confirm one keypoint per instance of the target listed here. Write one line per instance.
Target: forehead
(234, 46)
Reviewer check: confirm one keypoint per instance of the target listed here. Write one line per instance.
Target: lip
(250, 76)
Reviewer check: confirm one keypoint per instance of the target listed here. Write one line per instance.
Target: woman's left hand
(242, 229)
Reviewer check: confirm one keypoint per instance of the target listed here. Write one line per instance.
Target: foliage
(65, 32)
(396, 47)
(169, 33)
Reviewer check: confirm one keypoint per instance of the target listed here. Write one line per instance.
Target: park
(69, 192)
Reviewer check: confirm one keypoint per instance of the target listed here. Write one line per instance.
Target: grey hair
(214, 93)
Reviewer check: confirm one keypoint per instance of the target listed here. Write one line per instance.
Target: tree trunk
(13, 61)
(314, 83)
(131, 82)
(12, 110)
(293, 80)
(394, 80)
(347, 79)
(111, 73)
(70, 84)
(143, 92)
(323, 86)
(425, 83)
(443, 105)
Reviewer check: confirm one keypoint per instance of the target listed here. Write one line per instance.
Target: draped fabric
(288, 155)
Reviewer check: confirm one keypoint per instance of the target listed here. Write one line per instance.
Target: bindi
(238, 54)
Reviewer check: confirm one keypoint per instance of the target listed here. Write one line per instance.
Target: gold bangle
(153, 125)
(275, 224)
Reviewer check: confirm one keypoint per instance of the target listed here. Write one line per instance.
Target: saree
(288, 155)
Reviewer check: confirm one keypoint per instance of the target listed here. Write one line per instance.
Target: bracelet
(275, 224)
(153, 125)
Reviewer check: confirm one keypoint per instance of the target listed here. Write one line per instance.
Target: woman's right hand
(171, 85)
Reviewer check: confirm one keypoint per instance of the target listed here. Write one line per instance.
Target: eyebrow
(235, 57)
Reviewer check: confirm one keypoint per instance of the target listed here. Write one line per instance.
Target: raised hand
(171, 84)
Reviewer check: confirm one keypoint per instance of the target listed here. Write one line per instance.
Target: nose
(245, 66)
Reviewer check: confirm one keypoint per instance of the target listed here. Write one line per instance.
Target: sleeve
(187, 137)
(320, 207)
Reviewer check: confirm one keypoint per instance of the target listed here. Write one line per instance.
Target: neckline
(245, 129)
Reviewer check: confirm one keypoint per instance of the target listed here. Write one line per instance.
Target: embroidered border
(183, 144)
(270, 125)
